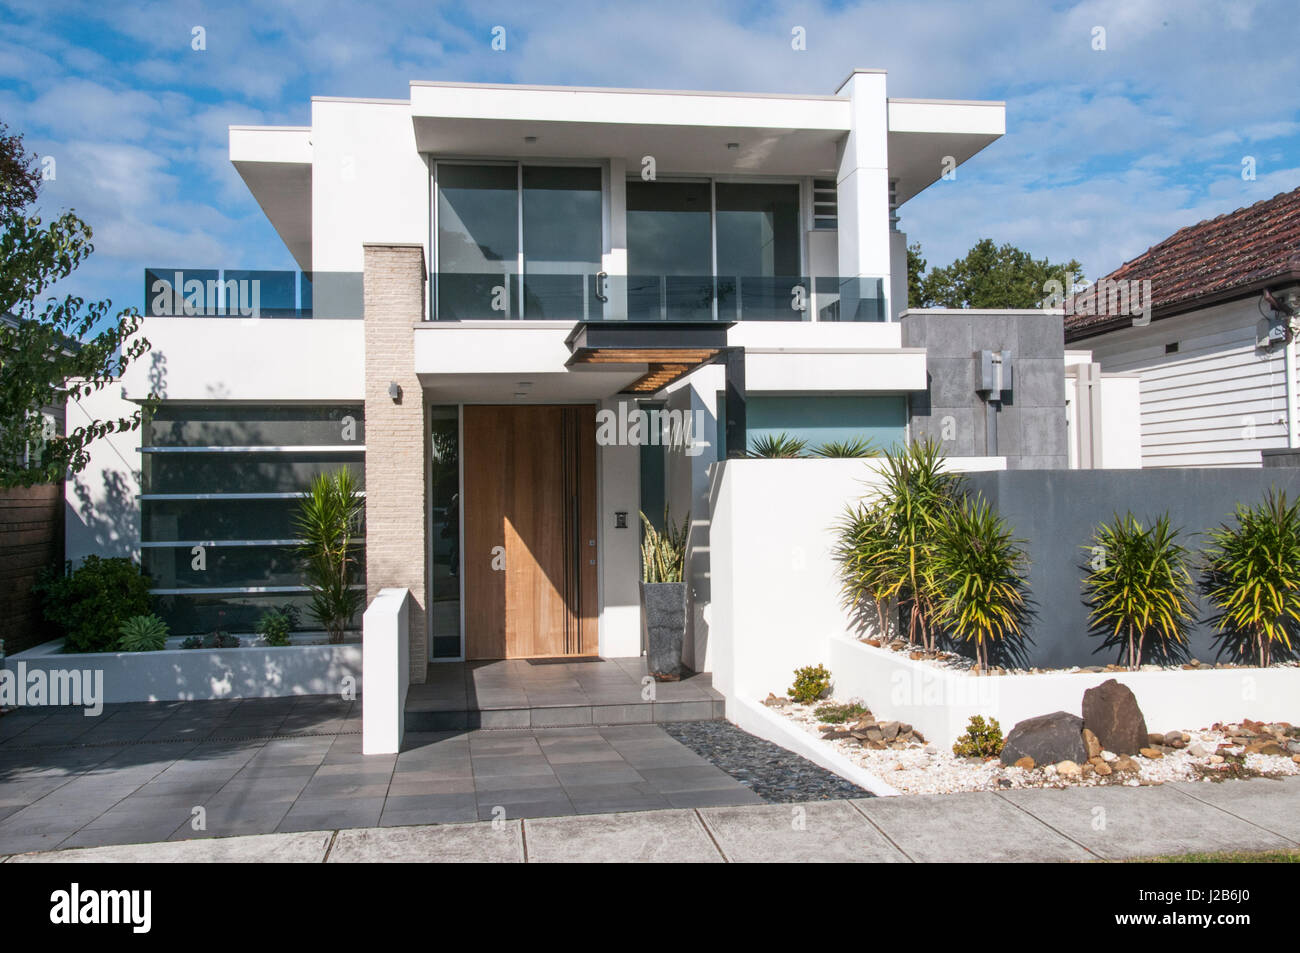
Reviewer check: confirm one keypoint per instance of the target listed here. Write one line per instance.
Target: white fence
(387, 644)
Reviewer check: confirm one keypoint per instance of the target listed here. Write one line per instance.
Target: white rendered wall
(775, 586)
(102, 514)
(620, 562)
(863, 181)
(369, 184)
(1121, 422)
(386, 657)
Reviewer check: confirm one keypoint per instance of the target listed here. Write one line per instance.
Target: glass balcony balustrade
(503, 295)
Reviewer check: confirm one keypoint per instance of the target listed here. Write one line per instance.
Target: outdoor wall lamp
(395, 391)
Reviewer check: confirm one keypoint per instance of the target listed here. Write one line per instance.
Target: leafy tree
(990, 276)
(51, 348)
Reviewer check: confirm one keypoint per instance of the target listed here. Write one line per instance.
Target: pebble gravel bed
(931, 769)
(773, 773)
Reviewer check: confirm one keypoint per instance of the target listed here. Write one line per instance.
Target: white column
(863, 183)
(614, 259)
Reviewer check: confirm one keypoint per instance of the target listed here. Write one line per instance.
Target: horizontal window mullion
(316, 448)
(236, 590)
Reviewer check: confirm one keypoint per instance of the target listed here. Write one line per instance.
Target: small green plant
(981, 568)
(810, 683)
(328, 521)
(91, 602)
(833, 714)
(142, 633)
(1252, 575)
(218, 639)
(780, 445)
(857, 447)
(981, 739)
(864, 549)
(663, 554)
(274, 626)
(1139, 586)
(192, 642)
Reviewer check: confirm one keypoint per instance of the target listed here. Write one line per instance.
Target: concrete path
(1078, 824)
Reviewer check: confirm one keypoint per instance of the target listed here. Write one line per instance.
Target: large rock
(1048, 739)
(1111, 712)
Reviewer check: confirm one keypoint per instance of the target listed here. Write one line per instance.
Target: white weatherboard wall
(387, 658)
(775, 586)
(1216, 402)
(939, 702)
(204, 674)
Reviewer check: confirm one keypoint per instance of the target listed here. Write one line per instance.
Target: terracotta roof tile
(1210, 258)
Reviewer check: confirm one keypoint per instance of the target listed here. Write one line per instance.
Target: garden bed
(919, 765)
(253, 670)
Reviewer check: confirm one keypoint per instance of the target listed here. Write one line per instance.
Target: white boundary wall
(386, 642)
(940, 702)
(204, 674)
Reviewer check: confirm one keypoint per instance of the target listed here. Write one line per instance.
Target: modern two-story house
(498, 284)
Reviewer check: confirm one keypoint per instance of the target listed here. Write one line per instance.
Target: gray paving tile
(648, 837)
(1116, 821)
(828, 832)
(1272, 805)
(467, 843)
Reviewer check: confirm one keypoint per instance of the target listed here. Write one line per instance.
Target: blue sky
(1106, 152)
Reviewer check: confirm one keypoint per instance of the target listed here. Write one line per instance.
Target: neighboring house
(535, 266)
(1217, 360)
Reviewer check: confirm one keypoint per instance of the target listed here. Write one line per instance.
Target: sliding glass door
(669, 251)
(517, 241)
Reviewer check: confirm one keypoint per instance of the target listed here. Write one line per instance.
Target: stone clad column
(397, 436)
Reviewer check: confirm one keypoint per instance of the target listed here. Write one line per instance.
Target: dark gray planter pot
(663, 620)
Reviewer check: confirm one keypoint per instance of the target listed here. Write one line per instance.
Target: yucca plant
(142, 633)
(778, 445)
(1139, 585)
(981, 569)
(1252, 574)
(328, 521)
(663, 554)
(917, 494)
(857, 447)
(864, 547)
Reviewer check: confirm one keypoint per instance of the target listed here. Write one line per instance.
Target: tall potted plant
(663, 595)
(329, 519)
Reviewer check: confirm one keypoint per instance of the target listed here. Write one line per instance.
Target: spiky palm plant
(663, 554)
(863, 547)
(981, 569)
(1252, 574)
(857, 447)
(778, 445)
(328, 521)
(917, 494)
(1139, 585)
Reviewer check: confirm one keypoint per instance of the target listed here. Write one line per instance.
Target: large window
(517, 241)
(221, 485)
(669, 251)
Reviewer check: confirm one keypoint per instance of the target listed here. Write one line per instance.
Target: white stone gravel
(932, 769)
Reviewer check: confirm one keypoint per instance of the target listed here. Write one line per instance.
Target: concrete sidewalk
(1075, 824)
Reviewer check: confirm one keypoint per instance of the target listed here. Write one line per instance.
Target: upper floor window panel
(516, 241)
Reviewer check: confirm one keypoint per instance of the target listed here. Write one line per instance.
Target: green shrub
(857, 447)
(981, 568)
(663, 555)
(865, 550)
(213, 640)
(1252, 575)
(780, 445)
(329, 523)
(91, 602)
(142, 633)
(833, 714)
(810, 683)
(275, 626)
(981, 740)
(1139, 585)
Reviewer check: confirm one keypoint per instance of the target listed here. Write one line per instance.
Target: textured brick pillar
(397, 436)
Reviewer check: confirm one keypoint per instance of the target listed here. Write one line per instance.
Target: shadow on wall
(107, 526)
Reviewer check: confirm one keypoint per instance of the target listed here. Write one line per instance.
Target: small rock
(916, 656)
(1091, 743)
(1125, 764)
(920, 738)
(772, 701)
(931, 750)
(1154, 739)
(1102, 768)
(888, 730)
(872, 642)
(1155, 754)
(1296, 758)
(1025, 764)
(1266, 747)
(1068, 770)
(1174, 739)
(1109, 756)
(1198, 750)
(1216, 759)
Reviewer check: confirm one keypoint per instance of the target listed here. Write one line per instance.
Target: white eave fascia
(953, 116)
(279, 144)
(629, 106)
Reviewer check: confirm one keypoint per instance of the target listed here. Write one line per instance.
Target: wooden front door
(530, 531)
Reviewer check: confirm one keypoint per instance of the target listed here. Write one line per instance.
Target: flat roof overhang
(684, 131)
(924, 132)
(667, 350)
(275, 164)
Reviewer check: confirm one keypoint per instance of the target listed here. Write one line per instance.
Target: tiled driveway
(151, 772)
